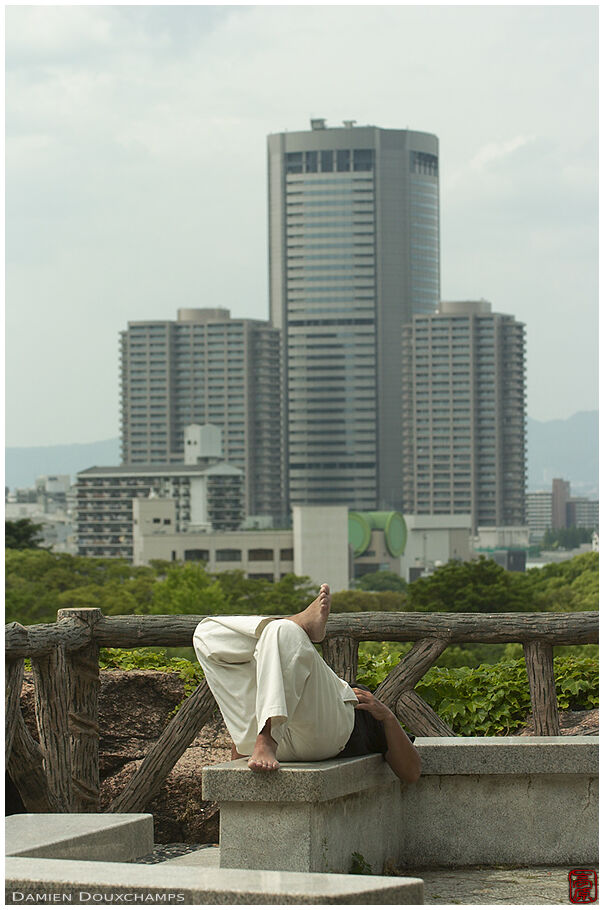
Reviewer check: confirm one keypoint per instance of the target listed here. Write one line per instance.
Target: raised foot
(263, 758)
(314, 619)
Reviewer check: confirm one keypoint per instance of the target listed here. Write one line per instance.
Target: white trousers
(260, 667)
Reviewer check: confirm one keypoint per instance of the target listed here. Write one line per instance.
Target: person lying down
(282, 703)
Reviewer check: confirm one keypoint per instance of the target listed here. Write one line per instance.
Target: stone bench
(88, 836)
(68, 881)
(306, 817)
(70, 859)
(480, 801)
(519, 800)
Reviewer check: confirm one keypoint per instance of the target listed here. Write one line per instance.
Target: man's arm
(402, 756)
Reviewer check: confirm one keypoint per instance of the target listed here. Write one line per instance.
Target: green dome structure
(361, 524)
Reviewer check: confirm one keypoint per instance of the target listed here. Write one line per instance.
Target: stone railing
(61, 773)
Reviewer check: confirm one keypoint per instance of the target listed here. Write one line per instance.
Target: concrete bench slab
(306, 817)
(94, 883)
(518, 800)
(306, 782)
(508, 755)
(88, 836)
(207, 858)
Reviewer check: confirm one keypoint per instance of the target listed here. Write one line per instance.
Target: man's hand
(368, 702)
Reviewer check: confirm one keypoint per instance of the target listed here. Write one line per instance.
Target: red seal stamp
(583, 886)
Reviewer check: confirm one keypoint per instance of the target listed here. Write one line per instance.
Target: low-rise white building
(434, 540)
(316, 546)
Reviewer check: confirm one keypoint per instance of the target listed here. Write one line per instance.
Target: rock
(572, 723)
(134, 707)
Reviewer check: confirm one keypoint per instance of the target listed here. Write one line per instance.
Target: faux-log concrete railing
(61, 773)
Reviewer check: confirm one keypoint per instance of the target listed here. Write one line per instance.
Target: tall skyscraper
(464, 410)
(206, 368)
(353, 254)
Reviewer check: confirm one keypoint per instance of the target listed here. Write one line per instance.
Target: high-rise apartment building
(560, 500)
(206, 367)
(464, 413)
(353, 254)
(539, 512)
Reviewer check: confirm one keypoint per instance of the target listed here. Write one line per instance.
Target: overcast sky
(136, 174)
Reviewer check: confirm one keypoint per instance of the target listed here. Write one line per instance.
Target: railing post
(341, 653)
(421, 719)
(12, 696)
(539, 659)
(51, 705)
(410, 670)
(83, 713)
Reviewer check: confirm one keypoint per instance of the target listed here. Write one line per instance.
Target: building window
(268, 576)
(260, 555)
(197, 555)
(422, 163)
(310, 160)
(343, 159)
(293, 163)
(362, 160)
(326, 161)
(228, 555)
(287, 555)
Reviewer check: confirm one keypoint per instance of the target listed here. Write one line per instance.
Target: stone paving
(543, 885)
(476, 886)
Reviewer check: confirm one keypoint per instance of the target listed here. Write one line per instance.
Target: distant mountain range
(556, 448)
(564, 448)
(24, 463)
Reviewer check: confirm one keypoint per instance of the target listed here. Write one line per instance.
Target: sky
(136, 175)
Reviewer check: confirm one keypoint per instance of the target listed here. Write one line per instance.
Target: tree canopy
(22, 534)
(39, 582)
(566, 538)
(381, 581)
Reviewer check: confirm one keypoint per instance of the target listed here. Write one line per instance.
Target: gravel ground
(162, 852)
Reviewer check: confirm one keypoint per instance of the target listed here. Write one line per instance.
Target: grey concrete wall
(522, 820)
(511, 800)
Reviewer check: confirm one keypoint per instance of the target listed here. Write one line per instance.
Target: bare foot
(314, 619)
(264, 756)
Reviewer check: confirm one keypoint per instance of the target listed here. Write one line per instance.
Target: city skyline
(136, 175)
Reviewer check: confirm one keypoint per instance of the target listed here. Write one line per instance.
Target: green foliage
(566, 538)
(566, 587)
(481, 586)
(152, 659)
(359, 865)
(22, 534)
(488, 700)
(39, 582)
(376, 660)
(188, 588)
(367, 601)
(381, 581)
